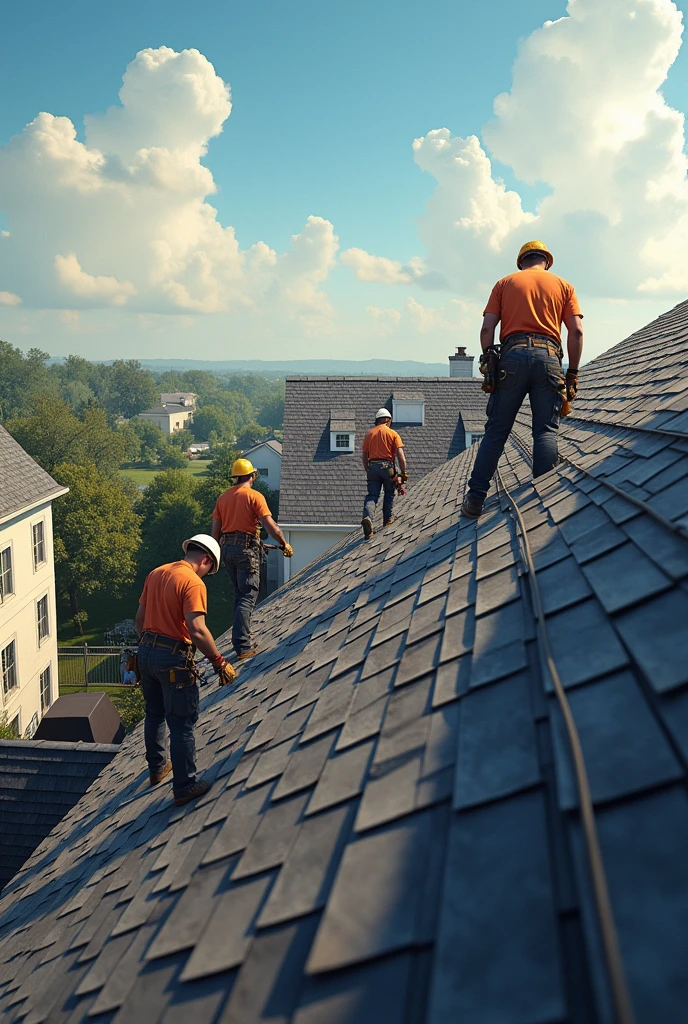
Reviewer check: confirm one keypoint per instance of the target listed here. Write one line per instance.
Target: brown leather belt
(244, 540)
(169, 643)
(531, 341)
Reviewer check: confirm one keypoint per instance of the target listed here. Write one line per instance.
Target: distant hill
(305, 367)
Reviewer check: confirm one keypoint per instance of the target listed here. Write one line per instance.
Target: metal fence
(86, 667)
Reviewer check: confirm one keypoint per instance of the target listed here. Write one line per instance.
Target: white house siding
(169, 422)
(18, 617)
(269, 462)
(308, 543)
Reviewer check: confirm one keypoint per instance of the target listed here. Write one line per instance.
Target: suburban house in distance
(175, 411)
(267, 458)
(325, 421)
(28, 627)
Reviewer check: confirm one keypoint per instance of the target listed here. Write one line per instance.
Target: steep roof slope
(39, 782)
(321, 486)
(22, 481)
(393, 831)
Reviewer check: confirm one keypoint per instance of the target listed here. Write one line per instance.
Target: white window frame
(39, 618)
(4, 594)
(47, 671)
(404, 411)
(3, 670)
(336, 434)
(34, 526)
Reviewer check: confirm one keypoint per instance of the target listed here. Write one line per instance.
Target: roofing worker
(531, 305)
(238, 516)
(381, 447)
(170, 622)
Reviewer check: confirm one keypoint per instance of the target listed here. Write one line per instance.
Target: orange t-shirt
(170, 592)
(240, 509)
(381, 442)
(532, 301)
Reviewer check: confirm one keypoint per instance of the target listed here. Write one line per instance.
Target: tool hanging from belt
(168, 643)
(489, 367)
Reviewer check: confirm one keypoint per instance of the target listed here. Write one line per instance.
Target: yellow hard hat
(535, 246)
(242, 467)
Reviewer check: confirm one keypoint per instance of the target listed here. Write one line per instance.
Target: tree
(129, 389)
(153, 443)
(97, 534)
(272, 497)
(213, 419)
(173, 458)
(182, 439)
(22, 377)
(271, 414)
(171, 512)
(250, 435)
(52, 434)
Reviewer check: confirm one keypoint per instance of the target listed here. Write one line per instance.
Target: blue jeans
(522, 371)
(175, 703)
(243, 566)
(379, 477)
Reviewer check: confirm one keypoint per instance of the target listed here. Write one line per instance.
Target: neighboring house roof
(320, 486)
(24, 483)
(170, 409)
(393, 830)
(39, 782)
(272, 443)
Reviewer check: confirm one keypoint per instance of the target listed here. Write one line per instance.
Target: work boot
(192, 792)
(367, 524)
(247, 654)
(471, 507)
(162, 773)
(388, 522)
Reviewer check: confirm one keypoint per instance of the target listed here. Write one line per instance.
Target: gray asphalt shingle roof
(393, 831)
(324, 487)
(39, 782)
(22, 481)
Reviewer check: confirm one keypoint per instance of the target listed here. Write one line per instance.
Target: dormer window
(342, 430)
(408, 407)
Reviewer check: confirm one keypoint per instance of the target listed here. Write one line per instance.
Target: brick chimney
(461, 365)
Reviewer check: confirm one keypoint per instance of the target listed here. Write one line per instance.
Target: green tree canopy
(213, 419)
(97, 533)
(22, 377)
(153, 443)
(129, 388)
(171, 512)
(53, 434)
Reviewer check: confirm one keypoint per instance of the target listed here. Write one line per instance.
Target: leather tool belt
(531, 341)
(149, 639)
(242, 540)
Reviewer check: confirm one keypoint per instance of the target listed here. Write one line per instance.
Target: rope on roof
(610, 940)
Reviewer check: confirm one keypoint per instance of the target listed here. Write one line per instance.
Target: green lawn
(145, 476)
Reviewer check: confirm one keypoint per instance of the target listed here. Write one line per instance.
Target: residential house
(28, 624)
(266, 456)
(175, 412)
(325, 421)
(394, 831)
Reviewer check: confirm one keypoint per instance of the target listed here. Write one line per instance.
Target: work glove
(287, 550)
(571, 384)
(225, 672)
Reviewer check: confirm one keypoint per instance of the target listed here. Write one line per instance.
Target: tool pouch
(489, 365)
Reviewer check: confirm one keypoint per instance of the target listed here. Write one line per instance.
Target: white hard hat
(209, 544)
(383, 414)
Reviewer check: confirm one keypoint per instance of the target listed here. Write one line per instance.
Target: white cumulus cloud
(585, 119)
(9, 299)
(123, 217)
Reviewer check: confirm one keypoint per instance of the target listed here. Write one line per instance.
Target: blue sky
(327, 100)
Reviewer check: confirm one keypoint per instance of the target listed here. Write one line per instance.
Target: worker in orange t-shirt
(170, 622)
(382, 446)
(531, 304)
(238, 516)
